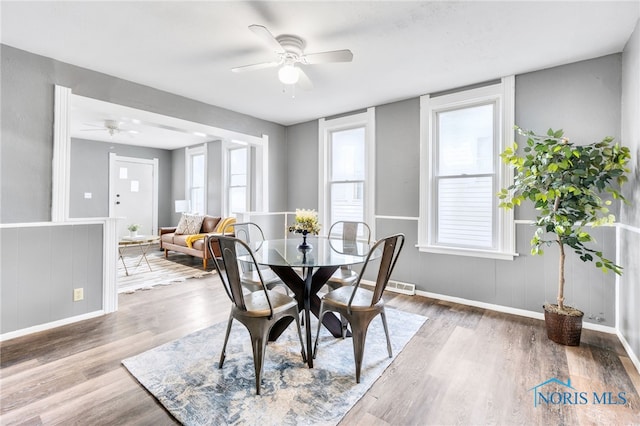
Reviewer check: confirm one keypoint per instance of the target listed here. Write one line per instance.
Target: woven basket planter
(562, 328)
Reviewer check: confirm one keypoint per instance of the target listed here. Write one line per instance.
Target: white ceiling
(401, 49)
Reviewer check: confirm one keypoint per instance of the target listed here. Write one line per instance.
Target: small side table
(143, 242)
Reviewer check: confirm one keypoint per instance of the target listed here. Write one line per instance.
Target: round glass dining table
(318, 264)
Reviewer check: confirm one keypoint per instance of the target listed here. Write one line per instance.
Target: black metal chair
(348, 231)
(359, 306)
(258, 311)
(250, 232)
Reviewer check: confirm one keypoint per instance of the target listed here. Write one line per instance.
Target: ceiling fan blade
(255, 66)
(266, 36)
(344, 55)
(304, 81)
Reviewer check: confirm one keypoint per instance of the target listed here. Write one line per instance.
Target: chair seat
(342, 277)
(258, 306)
(268, 276)
(339, 298)
(251, 280)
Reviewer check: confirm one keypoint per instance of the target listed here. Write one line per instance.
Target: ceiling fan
(110, 126)
(289, 50)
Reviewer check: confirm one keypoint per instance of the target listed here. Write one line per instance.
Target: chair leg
(386, 332)
(344, 324)
(259, 344)
(320, 316)
(226, 339)
(297, 318)
(359, 336)
(359, 326)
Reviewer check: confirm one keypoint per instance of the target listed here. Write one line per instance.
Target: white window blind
(238, 179)
(347, 170)
(197, 178)
(465, 174)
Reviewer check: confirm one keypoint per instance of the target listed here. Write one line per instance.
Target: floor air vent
(403, 288)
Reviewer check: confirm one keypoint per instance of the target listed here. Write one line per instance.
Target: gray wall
(583, 98)
(41, 266)
(26, 153)
(629, 287)
(398, 158)
(215, 178)
(90, 173)
(177, 184)
(302, 166)
(27, 89)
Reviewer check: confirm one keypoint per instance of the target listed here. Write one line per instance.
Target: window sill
(458, 251)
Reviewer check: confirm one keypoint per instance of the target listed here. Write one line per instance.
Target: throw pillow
(189, 224)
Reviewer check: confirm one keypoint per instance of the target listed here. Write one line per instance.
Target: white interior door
(134, 194)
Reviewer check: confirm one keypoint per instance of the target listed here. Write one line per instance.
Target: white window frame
(190, 152)
(367, 120)
(258, 173)
(503, 96)
(228, 149)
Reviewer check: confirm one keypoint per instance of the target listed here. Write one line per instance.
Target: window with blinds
(346, 168)
(346, 175)
(238, 180)
(465, 177)
(196, 178)
(461, 136)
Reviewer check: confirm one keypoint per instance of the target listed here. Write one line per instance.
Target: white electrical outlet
(78, 294)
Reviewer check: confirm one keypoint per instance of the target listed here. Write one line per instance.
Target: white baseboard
(632, 355)
(509, 310)
(49, 325)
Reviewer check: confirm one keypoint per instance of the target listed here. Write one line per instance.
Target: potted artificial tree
(565, 182)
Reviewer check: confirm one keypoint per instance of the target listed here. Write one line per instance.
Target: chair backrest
(248, 232)
(230, 272)
(350, 230)
(391, 247)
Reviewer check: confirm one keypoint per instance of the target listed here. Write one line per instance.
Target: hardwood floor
(465, 366)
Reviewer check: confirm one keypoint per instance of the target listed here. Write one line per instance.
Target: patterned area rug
(184, 375)
(177, 268)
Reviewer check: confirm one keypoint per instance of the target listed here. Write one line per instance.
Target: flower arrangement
(306, 222)
(133, 227)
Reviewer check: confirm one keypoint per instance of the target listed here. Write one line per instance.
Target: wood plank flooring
(465, 366)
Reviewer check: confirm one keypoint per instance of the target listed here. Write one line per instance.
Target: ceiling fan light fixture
(288, 74)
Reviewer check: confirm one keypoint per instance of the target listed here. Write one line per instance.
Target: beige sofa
(194, 243)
